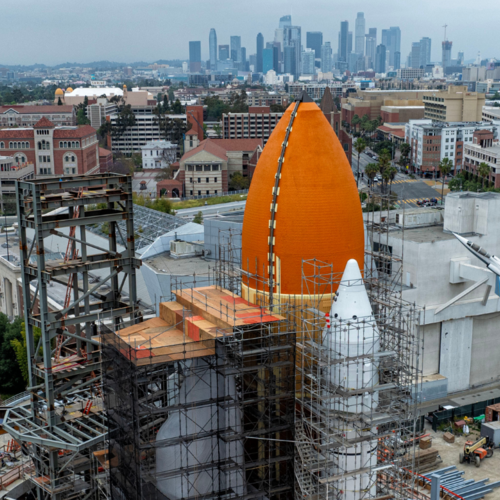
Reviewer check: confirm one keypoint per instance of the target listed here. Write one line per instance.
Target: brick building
(207, 166)
(258, 123)
(27, 116)
(484, 149)
(53, 150)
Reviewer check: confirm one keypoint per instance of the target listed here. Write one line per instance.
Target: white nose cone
(352, 301)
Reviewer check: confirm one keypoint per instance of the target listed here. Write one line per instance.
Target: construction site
(293, 372)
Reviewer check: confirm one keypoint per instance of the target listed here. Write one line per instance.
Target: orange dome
(59, 92)
(68, 90)
(318, 213)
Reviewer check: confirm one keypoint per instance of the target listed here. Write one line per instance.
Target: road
(409, 191)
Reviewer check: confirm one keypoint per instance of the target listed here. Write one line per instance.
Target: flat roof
(164, 264)
(423, 234)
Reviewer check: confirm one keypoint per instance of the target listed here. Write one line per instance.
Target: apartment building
(53, 150)
(316, 90)
(490, 114)
(485, 148)
(431, 142)
(455, 104)
(262, 98)
(10, 172)
(411, 73)
(258, 123)
(97, 112)
(27, 116)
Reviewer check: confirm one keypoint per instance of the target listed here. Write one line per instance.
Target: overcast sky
(57, 31)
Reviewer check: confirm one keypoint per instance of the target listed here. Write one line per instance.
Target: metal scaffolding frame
(65, 424)
(357, 398)
(248, 379)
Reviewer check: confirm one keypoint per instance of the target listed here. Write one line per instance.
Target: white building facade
(158, 154)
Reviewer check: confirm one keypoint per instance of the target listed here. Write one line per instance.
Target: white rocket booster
(492, 262)
(353, 337)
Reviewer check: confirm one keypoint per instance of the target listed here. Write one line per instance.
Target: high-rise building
(314, 40)
(243, 59)
(194, 57)
(235, 54)
(460, 58)
(415, 55)
(285, 22)
(349, 43)
(267, 59)
(397, 60)
(260, 48)
(308, 56)
(343, 41)
(371, 45)
(290, 60)
(380, 58)
(353, 62)
(446, 58)
(275, 48)
(326, 57)
(212, 44)
(391, 38)
(279, 39)
(425, 51)
(223, 52)
(293, 37)
(359, 33)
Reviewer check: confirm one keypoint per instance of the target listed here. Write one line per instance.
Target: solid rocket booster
(492, 262)
(353, 336)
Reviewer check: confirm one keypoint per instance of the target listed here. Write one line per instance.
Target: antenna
(445, 26)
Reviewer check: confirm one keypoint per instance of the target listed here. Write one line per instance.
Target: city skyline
(170, 41)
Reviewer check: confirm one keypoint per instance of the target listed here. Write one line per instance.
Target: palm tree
(371, 170)
(388, 176)
(384, 162)
(355, 121)
(444, 167)
(359, 146)
(483, 171)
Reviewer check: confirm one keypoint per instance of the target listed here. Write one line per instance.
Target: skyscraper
(349, 44)
(267, 60)
(308, 56)
(314, 40)
(194, 57)
(293, 37)
(260, 48)
(289, 59)
(371, 45)
(285, 22)
(380, 56)
(460, 58)
(235, 48)
(212, 44)
(343, 41)
(359, 33)
(275, 47)
(425, 51)
(326, 57)
(278, 38)
(446, 58)
(223, 52)
(415, 56)
(391, 38)
(243, 59)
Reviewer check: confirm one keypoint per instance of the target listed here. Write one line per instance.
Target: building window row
(44, 145)
(202, 168)
(17, 145)
(207, 180)
(42, 132)
(69, 144)
(44, 159)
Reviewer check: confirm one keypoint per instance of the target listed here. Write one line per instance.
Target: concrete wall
(485, 350)
(217, 232)
(432, 345)
(455, 356)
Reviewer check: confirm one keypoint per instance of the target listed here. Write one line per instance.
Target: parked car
(376, 179)
(434, 201)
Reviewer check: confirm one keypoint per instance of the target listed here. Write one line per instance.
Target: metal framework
(358, 399)
(226, 415)
(65, 424)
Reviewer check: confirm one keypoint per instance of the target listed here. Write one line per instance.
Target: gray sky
(57, 31)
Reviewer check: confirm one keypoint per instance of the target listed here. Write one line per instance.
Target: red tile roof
(191, 132)
(38, 109)
(62, 133)
(13, 133)
(209, 146)
(104, 152)
(44, 122)
(238, 144)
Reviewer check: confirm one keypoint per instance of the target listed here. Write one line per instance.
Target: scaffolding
(358, 379)
(202, 406)
(65, 424)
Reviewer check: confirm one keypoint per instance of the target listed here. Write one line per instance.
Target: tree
(19, 346)
(405, 149)
(11, 376)
(81, 119)
(137, 160)
(388, 176)
(483, 171)
(218, 130)
(371, 170)
(164, 174)
(124, 120)
(177, 107)
(355, 122)
(59, 102)
(277, 108)
(359, 146)
(238, 182)
(444, 167)
(198, 218)
(384, 163)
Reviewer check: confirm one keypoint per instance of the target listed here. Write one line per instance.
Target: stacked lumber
(425, 460)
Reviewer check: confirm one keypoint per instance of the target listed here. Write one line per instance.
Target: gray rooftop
(163, 263)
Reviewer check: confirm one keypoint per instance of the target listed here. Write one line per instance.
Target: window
(199, 168)
(215, 168)
(66, 158)
(215, 179)
(190, 168)
(208, 179)
(2, 146)
(208, 192)
(215, 192)
(199, 180)
(199, 193)
(206, 168)
(191, 181)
